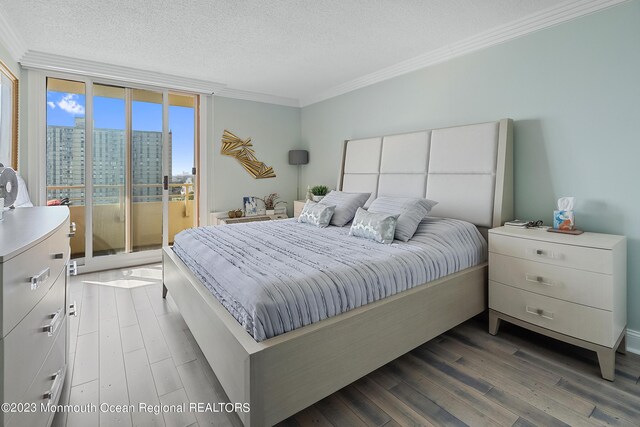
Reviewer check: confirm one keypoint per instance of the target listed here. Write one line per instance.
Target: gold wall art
(242, 151)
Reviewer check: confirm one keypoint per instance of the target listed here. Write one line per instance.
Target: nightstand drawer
(586, 323)
(578, 286)
(580, 257)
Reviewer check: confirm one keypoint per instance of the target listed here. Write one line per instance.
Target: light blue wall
(274, 130)
(574, 93)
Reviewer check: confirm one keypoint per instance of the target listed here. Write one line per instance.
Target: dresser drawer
(586, 323)
(28, 276)
(45, 388)
(578, 286)
(580, 257)
(27, 345)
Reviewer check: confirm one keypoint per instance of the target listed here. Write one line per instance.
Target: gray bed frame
(282, 375)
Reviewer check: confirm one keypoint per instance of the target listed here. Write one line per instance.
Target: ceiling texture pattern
(288, 48)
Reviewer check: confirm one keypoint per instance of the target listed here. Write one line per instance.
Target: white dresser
(34, 253)
(572, 288)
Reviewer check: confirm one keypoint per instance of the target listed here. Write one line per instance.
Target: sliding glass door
(130, 182)
(109, 170)
(65, 158)
(147, 146)
(182, 125)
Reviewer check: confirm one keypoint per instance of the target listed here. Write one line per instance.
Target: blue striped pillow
(346, 205)
(412, 210)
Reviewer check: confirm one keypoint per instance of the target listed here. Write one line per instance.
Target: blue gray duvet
(276, 276)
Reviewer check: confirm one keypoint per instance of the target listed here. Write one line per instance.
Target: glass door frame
(90, 263)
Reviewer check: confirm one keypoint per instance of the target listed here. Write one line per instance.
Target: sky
(109, 113)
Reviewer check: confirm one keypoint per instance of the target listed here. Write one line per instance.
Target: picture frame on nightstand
(250, 206)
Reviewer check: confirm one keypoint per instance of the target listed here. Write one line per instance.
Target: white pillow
(410, 211)
(346, 205)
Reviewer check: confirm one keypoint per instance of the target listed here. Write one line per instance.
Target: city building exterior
(66, 164)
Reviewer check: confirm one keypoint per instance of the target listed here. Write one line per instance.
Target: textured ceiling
(291, 48)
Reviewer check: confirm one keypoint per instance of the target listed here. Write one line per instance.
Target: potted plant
(270, 202)
(319, 191)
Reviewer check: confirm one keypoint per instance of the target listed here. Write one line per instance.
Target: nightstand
(297, 207)
(571, 288)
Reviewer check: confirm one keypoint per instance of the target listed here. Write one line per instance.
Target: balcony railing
(109, 216)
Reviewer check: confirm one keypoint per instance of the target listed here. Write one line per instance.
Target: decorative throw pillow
(411, 211)
(374, 226)
(316, 214)
(346, 205)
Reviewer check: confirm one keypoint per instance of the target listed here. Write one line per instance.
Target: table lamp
(298, 158)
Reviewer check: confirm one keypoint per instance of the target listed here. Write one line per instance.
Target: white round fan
(8, 185)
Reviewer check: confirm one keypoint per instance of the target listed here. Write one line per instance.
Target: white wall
(274, 130)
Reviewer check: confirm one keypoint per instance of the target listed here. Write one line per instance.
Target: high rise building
(66, 163)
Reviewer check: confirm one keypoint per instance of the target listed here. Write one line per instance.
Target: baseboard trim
(633, 341)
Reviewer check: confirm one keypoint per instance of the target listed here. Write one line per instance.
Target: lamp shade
(298, 157)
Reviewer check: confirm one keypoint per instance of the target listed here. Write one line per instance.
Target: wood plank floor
(128, 345)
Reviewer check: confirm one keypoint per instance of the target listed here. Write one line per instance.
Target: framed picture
(250, 206)
(8, 118)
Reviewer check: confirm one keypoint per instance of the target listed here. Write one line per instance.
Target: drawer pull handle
(546, 254)
(58, 379)
(72, 230)
(73, 309)
(39, 278)
(539, 312)
(52, 327)
(73, 268)
(537, 279)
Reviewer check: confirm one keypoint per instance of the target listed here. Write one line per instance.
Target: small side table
(571, 288)
(223, 220)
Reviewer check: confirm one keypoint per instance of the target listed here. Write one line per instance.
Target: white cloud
(51, 104)
(70, 104)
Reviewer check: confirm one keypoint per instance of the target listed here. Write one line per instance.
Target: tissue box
(563, 220)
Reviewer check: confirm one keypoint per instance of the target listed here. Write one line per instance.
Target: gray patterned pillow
(411, 211)
(374, 226)
(346, 205)
(316, 214)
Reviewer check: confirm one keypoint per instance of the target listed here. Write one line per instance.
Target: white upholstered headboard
(468, 170)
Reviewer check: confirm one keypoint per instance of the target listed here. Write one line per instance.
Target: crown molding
(65, 64)
(13, 41)
(258, 97)
(51, 62)
(543, 19)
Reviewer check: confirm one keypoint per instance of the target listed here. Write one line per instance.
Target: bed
(282, 364)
